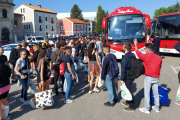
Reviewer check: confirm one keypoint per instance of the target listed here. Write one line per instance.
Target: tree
(76, 12)
(99, 18)
(170, 9)
(107, 13)
(176, 7)
(160, 11)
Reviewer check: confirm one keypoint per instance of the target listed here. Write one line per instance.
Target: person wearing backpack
(177, 47)
(152, 65)
(55, 62)
(126, 79)
(108, 77)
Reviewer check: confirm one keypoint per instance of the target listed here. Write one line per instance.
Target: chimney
(30, 4)
(39, 6)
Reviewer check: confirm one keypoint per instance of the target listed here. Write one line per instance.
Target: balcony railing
(52, 22)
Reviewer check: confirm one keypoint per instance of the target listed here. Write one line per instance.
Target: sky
(63, 6)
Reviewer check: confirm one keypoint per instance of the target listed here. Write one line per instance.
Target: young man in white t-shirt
(74, 51)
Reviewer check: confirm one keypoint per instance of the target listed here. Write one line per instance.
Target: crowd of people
(92, 53)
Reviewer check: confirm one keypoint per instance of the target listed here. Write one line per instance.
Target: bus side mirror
(104, 22)
(148, 21)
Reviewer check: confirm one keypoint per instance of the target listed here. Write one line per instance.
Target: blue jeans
(85, 69)
(79, 57)
(70, 84)
(99, 56)
(148, 83)
(110, 84)
(24, 87)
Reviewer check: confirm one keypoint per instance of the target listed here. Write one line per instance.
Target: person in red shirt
(152, 64)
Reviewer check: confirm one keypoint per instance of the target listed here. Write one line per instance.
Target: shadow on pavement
(138, 97)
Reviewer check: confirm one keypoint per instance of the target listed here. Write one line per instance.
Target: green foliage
(76, 12)
(107, 13)
(99, 18)
(100, 15)
(170, 9)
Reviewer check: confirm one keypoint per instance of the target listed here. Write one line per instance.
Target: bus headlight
(112, 51)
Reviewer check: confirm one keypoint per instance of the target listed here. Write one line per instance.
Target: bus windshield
(124, 28)
(168, 27)
(153, 26)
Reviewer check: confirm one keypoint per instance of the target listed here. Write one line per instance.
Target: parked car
(84, 35)
(35, 39)
(72, 36)
(9, 47)
(4, 42)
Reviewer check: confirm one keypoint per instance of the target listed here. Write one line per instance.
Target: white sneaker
(144, 110)
(68, 101)
(96, 90)
(18, 83)
(155, 109)
(90, 92)
(22, 100)
(32, 104)
(26, 103)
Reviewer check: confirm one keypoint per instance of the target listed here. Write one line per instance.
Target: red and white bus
(168, 28)
(123, 25)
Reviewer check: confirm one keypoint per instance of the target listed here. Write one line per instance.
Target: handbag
(163, 96)
(62, 69)
(116, 84)
(178, 94)
(44, 98)
(100, 83)
(51, 81)
(32, 87)
(65, 85)
(125, 94)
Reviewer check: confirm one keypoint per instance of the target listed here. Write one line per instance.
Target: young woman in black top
(93, 66)
(5, 73)
(42, 66)
(42, 77)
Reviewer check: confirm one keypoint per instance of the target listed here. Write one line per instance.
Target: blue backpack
(163, 96)
(114, 69)
(49, 53)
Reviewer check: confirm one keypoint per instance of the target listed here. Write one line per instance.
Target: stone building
(6, 20)
(18, 26)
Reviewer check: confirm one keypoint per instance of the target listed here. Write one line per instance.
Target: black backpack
(136, 69)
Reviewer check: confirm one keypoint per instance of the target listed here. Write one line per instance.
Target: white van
(35, 39)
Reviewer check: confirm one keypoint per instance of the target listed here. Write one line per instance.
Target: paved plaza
(91, 107)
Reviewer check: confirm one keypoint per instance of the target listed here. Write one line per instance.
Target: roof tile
(36, 8)
(75, 20)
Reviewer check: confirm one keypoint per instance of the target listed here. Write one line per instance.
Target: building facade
(6, 20)
(18, 26)
(86, 15)
(91, 25)
(73, 26)
(37, 21)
